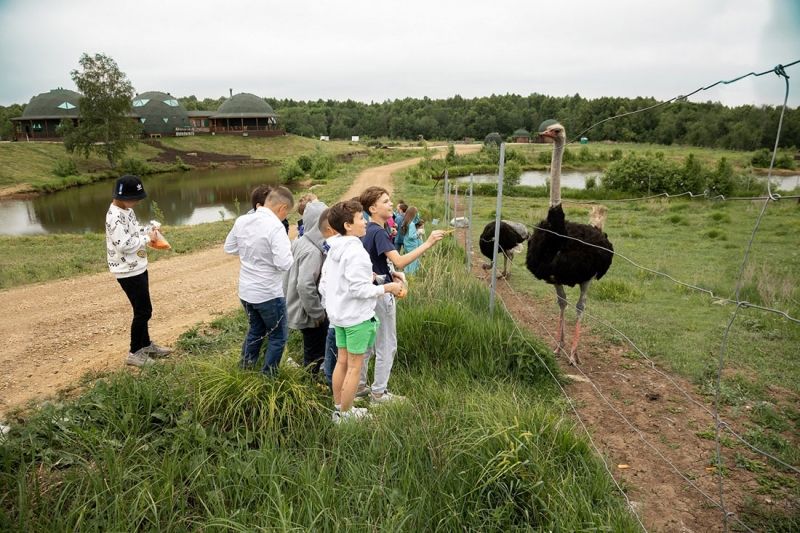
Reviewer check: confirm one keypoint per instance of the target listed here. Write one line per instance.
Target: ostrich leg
(505, 266)
(561, 297)
(579, 307)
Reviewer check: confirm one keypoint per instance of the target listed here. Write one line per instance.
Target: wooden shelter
(245, 114)
(44, 113)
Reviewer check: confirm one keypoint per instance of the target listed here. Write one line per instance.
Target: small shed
(521, 136)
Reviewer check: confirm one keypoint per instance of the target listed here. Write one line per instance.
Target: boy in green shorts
(350, 297)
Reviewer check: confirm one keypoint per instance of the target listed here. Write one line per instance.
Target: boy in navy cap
(127, 259)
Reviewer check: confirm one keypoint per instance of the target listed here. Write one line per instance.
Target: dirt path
(51, 334)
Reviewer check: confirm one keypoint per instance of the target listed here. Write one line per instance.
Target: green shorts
(357, 339)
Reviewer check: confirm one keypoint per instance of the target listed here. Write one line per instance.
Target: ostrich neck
(555, 174)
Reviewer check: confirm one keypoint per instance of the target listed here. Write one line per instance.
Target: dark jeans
(267, 321)
(331, 355)
(137, 289)
(314, 346)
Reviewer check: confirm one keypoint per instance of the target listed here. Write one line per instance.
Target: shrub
(511, 174)
(721, 180)
(65, 167)
(761, 158)
(493, 138)
(291, 171)
(138, 167)
(305, 162)
(322, 166)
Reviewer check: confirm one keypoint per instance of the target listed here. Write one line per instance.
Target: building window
(36, 126)
(65, 105)
(140, 102)
(172, 102)
(142, 120)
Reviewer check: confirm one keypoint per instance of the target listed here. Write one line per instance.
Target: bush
(138, 167)
(642, 174)
(65, 167)
(761, 158)
(511, 174)
(291, 171)
(493, 138)
(322, 166)
(305, 162)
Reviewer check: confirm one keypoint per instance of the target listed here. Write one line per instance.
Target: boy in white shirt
(350, 299)
(264, 250)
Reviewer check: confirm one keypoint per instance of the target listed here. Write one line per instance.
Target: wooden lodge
(44, 113)
(245, 114)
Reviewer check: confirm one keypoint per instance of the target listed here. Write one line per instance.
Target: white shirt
(264, 250)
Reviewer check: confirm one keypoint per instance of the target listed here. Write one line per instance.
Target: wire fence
(720, 425)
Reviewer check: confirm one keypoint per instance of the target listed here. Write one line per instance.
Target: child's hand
(393, 288)
(399, 276)
(436, 236)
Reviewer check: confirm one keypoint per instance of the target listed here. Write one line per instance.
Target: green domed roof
(244, 105)
(159, 112)
(54, 104)
(522, 132)
(546, 124)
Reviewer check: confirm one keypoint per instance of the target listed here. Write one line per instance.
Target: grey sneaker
(362, 391)
(139, 359)
(155, 351)
(387, 397)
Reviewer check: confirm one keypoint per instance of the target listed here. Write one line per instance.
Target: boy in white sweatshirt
(350, 297)
(126, 253)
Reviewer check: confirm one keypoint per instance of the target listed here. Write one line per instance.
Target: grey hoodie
(301, 282)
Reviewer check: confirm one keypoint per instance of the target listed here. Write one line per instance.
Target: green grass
(273, 149)
(201, 445)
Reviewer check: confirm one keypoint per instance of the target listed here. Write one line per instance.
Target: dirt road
(53, 333)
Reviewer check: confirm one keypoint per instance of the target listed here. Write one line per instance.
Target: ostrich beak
(547, 133)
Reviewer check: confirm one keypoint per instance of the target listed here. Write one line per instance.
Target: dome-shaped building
(43, 114)
(160, 114)
(521, 136)
(245, 114)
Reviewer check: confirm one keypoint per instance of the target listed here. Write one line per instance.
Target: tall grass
(200, 445)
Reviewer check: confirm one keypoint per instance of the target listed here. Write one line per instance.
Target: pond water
(577, 180)
(186, 198)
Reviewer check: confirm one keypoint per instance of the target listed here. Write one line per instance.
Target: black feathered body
(512, 234)
(562, 261)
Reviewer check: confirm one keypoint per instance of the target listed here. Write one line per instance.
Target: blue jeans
(267, 321)
(331, 354)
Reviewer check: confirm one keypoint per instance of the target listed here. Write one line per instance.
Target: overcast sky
(373, 50)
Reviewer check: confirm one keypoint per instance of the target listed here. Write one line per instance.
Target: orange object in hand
(159, 243)
(403, 290)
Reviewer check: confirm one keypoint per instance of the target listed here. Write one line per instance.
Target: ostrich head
(554, 132)
(597, 217)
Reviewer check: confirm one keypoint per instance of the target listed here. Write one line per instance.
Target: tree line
(707, 124)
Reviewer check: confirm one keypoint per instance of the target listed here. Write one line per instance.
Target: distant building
(200, 120)
(43, 114)
(160, 114)
(245, 114)
(521, 136)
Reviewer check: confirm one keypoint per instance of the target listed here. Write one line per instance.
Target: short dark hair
(370, 196)
(259, 195)
(402, 206)
(344, 213)
(323, 223)
(280, 195)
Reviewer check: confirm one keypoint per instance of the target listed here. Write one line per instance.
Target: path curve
(53, 333)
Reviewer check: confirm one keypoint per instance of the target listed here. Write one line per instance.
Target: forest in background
(707, 124)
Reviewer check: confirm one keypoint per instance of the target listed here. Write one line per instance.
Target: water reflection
(185, 198)
(577, 180)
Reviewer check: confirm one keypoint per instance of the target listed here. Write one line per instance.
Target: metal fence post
(468, 244)
(498, 211)
(446, 199)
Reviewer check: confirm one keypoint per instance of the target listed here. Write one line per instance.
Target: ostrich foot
(486, 266)
(559, 349)
(573, 358)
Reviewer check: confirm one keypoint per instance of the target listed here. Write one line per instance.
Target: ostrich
(512, 235)
(561, 261)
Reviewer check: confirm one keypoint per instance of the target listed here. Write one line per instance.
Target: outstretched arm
(401, 261)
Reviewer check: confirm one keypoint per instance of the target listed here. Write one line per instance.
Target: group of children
(337, 283)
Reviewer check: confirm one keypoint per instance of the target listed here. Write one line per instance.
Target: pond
(185, 198)
(577, 180)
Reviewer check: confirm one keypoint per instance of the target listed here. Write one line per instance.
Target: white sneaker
(156, 351)
(355, 413)
(139, 358)
(387, 397)
(292, 363)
